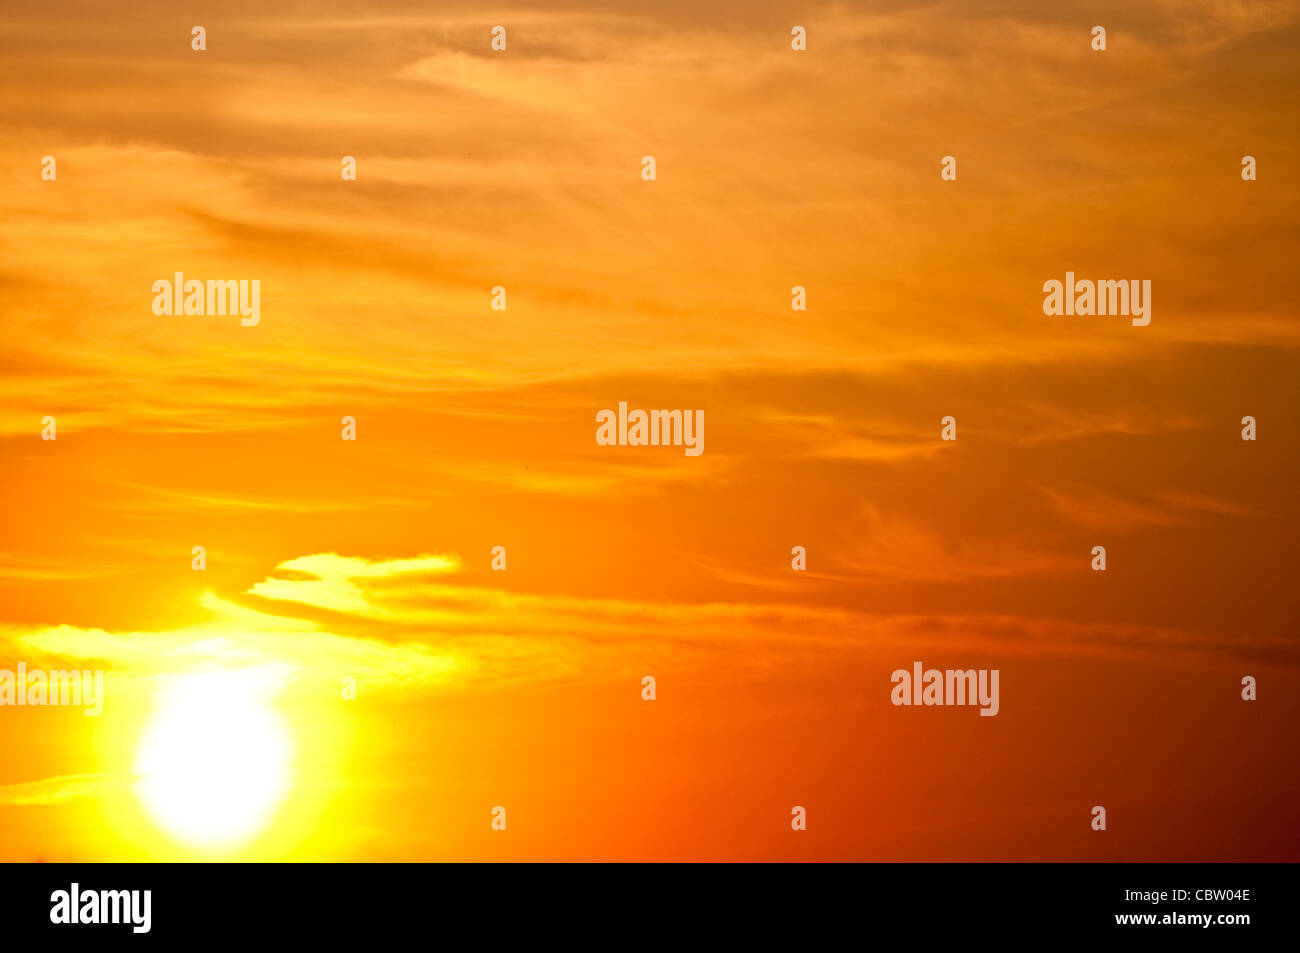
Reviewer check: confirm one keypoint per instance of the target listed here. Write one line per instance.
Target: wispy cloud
(390, 623)
(49, 791)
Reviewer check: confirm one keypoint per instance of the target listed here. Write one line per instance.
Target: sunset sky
(372, 559)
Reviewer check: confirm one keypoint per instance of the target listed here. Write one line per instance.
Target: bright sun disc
(214, 762)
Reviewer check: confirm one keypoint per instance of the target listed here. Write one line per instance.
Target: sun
(215, 761)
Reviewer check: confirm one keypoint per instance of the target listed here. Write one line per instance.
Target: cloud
(47, 570)
(1096, 509)
(389, 624)
(884, 546)
(341, 583)
(48, 791)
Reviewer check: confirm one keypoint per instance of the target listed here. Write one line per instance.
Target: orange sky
(372, 559)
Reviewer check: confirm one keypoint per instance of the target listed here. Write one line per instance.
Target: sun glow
(215, 761)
